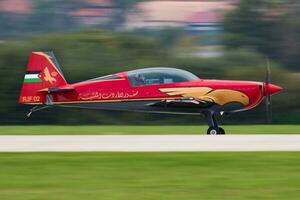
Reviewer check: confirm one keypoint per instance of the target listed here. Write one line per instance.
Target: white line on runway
(149, 143)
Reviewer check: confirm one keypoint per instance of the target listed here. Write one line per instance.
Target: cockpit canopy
(159, 75)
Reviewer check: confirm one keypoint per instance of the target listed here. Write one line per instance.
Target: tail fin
(42, 72)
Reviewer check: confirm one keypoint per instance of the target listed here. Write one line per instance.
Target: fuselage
(118, 93)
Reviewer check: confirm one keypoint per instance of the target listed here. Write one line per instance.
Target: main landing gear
(213, 129)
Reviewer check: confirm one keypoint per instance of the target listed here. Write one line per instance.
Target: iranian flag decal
(32, 76)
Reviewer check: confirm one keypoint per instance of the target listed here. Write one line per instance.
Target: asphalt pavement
(149, 143)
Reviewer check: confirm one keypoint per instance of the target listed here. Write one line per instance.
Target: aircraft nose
(272, 89)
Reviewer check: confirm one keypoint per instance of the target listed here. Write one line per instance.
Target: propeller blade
(269, 109)
(268, 72)
(268, 95)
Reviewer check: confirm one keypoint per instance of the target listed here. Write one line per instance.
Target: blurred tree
(287, 45)
(11, 24)
(6, 25)
(271, 27)
(53, 16)
(119, 18)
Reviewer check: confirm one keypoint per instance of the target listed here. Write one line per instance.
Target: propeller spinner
(269, 89)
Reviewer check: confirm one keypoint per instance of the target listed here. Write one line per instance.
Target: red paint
(110, 90)
(272, 89)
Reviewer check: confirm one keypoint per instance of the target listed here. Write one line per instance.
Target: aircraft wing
(183, 102)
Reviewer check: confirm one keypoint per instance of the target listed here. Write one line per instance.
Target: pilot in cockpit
(140, 79)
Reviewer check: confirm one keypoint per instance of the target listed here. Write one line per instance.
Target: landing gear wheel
(212, 131)
(215, 131)
(221, 131)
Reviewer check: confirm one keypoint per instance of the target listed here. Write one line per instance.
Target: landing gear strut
(213, 129)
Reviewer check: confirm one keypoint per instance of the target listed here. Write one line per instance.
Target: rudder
(42, 72)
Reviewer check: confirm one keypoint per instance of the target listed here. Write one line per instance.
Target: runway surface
(149, 143)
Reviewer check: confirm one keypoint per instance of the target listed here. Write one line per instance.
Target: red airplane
(155, 90)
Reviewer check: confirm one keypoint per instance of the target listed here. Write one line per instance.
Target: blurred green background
(236, 48)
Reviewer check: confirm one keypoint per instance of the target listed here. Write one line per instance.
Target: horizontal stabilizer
(57, 89)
